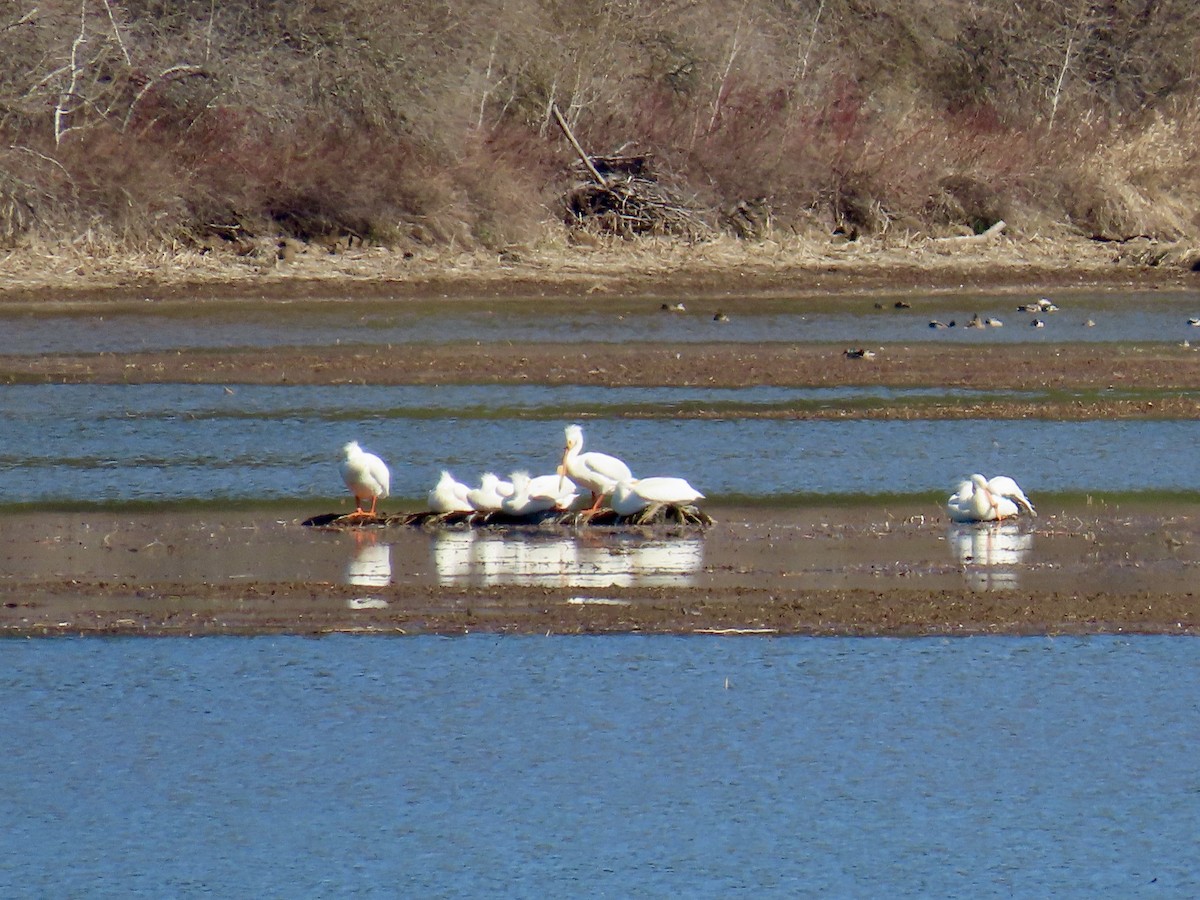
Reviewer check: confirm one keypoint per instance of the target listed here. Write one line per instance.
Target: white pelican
(981, 500)
(598, 472)
(638, 493)
(490, 494)
(522, 501)
(366, 475)
(562, 489)
(449, 495)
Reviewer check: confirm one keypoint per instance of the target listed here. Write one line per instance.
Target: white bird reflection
(371, 565)
(471, 557)
(991, 553)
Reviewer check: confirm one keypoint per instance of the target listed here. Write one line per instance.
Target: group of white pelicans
(368, 479)
(977, 499)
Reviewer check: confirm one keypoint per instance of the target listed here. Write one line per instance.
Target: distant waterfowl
(993, 322)
(858, 353)
(1037, 323)
(719, 316)
(597, 472)
(982, 500)
(490, 494)
(902, 304)
(1194, 322)
(936, 323)
(449, 495)
(976, 322)
(632, 495)
(366, 476)
(673, 307)
(1045, 304)
(1088, 323)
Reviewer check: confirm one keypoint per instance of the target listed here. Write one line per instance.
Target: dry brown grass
(226, 126)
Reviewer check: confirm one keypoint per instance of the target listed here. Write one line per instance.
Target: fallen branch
(982, 236)
(587, 160)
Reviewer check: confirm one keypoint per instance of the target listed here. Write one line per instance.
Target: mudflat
(820, 571)
(763, 570)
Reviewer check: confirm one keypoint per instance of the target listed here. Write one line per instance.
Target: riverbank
(559, 266)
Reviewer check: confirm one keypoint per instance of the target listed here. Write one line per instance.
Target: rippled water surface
(106, 443)
(618, 766)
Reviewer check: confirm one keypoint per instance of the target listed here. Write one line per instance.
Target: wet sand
(1158, 369)
(816, 571)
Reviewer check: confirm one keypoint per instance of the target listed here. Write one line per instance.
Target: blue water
(608, 767)
(115, 326)
(111, 443)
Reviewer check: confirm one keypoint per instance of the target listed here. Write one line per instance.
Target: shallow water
(114, 443)
(618, 766)
(163, 325)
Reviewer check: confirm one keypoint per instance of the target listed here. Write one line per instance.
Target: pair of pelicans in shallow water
(977, 499)
(368, 479)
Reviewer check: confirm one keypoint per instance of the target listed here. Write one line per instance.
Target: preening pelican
(490, 494)
(598, 472)
(981, 500)
(366, 475)
(449, 495)
(562, 489)
(638, 493)
(522, 502)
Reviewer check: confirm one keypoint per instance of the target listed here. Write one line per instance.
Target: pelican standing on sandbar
(598, 472)
(979, 499)
(366, 475)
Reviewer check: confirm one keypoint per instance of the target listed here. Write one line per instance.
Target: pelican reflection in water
(482, 558)
(371, 565)
(991, 554)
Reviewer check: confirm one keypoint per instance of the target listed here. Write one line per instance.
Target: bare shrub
(431, 121)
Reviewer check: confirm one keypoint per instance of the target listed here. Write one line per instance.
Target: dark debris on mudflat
(653, 516)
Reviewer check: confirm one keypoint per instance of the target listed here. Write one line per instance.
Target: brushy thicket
(135, 121)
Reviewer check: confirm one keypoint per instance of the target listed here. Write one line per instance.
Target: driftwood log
(655, 515)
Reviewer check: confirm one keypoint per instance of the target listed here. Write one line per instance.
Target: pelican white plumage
(979, 499)
(1004, 487)
(522, 501)
(638, 493)
(449, 495)
(490, 494)
(366, 475)
(598, 472)
(562, 489)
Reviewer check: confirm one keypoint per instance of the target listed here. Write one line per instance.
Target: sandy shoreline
(555, 267)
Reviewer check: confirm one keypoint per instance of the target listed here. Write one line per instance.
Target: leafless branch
(169, 74)
(60, 110)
